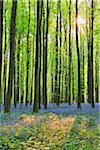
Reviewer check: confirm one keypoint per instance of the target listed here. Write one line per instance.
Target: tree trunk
(70, 54)
(66, 71)
(97, 77)
(91, 64)
(90, 61)
(83, 90)
(12, 56)
(40, 22)
(18, 65)
(5, 58)
(78, 55)
(28, 59)
(56, 71)
(36, 88)
(1, 38)
(60, 39)
(45, 60)
(31, 94)
(73, 81)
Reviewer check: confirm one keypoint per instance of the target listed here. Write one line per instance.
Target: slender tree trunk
(97, 77)
(70, 54)
(45, 60)
(1, 38)
(52, 85)
(15, 85)
(89, 55)
(12, 56)
(83, 75)
(91, 64)
(5, 58)
(66, 71)
(56, 72)
(90, 58)
(60, 39)
(40, 49)
(43, 53)
(73, 81)
(78, 55)
(35, 106)
(31, 94)
(28, 55)
(18, 64)
(21, 78)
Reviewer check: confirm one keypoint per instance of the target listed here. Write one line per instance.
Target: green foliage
(51, 132)
(46, 131)
(84, 135)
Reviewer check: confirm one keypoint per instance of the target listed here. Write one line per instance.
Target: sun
(80, 20)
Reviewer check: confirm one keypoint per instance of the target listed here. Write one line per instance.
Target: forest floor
(61, 127)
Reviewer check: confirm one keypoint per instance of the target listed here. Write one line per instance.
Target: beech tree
(12, 56)
(45, 53)
(70, 53)
(28, 54)
(56, 58)
(78, 56)
(35, 106)
(1, 38)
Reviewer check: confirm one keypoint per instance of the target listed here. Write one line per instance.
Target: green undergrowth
(50, 132)
(41, 132)
(85, 135)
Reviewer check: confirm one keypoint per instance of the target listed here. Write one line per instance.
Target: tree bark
(1, 38)
(56, 71)
(45, 59)
(5, 59)
(60, 39)
(78, 55)
(28, 59)
(18, 65)
(35, 105)
(91, 64)
(12, 56)
(70, 54)
(97, 77)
